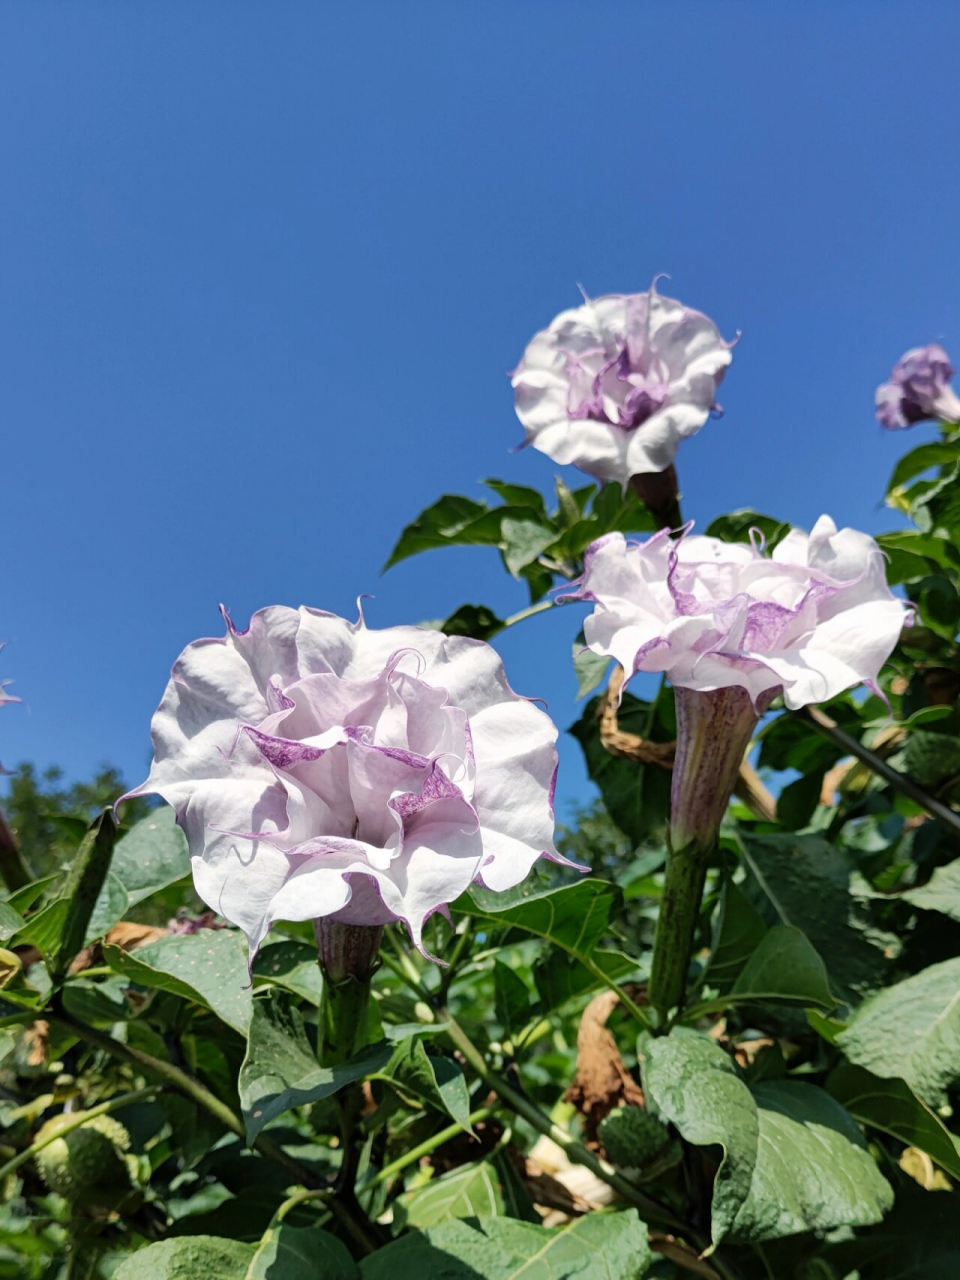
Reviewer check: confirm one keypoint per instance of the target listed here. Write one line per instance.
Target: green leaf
(560, 977)
(292, 965)
(739, 930)
(695, 1086)
(301, 1253)
(59, 929)
(793, 1159)
(589, 668)
(940, 893)
(636, 796)
(918, 1241)
(804, 881)
(11, 921)
(280, 1069)
(573, 918)
(600, 1246)
(475, 621)
(736, 526)
(441, 524)
(209, 967)
(912, 1031)
(511, 999)
(436, 1082)
(519, 495)
(889, 1105)
(784, 967)
(523, 540)
(152, 855)
(935, 454)
(189, 1256)
(472, 1191)
(797, 802)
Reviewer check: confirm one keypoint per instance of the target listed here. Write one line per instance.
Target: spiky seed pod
(87, 1165)
(631, 1136)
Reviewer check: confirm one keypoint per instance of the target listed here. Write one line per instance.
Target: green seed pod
(88, 1165)
(631, 1136)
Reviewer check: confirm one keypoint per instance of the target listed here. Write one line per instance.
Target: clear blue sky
(263, 269)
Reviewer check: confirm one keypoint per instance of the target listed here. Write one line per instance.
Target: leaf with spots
(209, 967)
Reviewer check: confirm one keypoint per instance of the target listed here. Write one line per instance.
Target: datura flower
(325, 771)
(918, 389)
(613, 386)
(731, 628)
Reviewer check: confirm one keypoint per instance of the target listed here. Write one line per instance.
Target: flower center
(627, 389)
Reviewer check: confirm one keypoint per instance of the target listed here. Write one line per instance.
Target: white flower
(813, 619)
(612, 387)
(324, 770)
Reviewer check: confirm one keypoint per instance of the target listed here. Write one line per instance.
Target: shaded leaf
(560, 977)
(151, 856)
(280, 1069)
(597, 1247)
(918, 1241)
(912, 1031)
(436, 526)
(784, 967)
(511, 999)
(589, 668)
(738, 932)
(940, 893)
(473, 620)
(292, 965)
(890, 1106)
(436, 1082)
(523, 540)
(11, 921)
(301, 1253)
(935, 454)
(472, 1191)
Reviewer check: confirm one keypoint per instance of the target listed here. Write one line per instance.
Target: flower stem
(426, 1148)
(713, 731)
(830, 729)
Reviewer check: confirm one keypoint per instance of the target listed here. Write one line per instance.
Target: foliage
(798, 1119)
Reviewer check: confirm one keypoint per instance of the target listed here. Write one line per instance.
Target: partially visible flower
(918, 389)
(613, 386)
(185, 925)
(4, 698)
(323, 771)
(813, 619)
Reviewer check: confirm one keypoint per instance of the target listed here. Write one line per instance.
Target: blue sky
(263, 269)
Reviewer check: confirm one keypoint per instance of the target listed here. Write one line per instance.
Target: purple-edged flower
(918, 389)
(325, 771)
(814, 618)
(612, 387)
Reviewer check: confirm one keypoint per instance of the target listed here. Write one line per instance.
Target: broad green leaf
(804, 881)
(912, 1031)
(636, 796)
(793, 1161)
(695, 1085)
(204, 1256)
(573, 918)
(292, 965)
(600, 1246)
(100, 1004)
(151, 856)
(940, 893)
(560, 977)
(935, 454)
(11, 921)
(436, 526)
(472, 1191)
(209, 967)
(784, 967)
(813, 1170)
(300, 1253)
(511, 999)
(518, 495)
(738, 931)
(280, 1069)
(523, 540)
(110, 906)
(797, 802)
(436, 1082)
(888, 1105)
